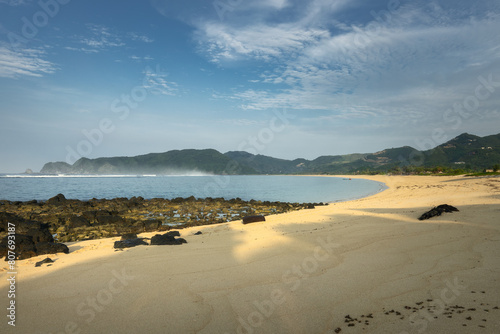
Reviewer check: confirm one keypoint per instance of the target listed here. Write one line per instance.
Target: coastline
(302, 271)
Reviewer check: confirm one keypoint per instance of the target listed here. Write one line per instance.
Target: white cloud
(141, 59)
(139, 38)
(86, 50)
(14, 2)
(101, 38)
(27, 62)
(415, 62)
(260, 41)
(156, 83)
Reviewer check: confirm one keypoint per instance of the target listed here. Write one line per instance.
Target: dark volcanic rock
(167, 239)
(6, 218)
(437, 211)
(128, 243)
(46, 260)
(41, 235)
(43, 248)
(152, 225)
(109, 219)
(128, 236)
(38, 231)
(74, 220)
(59, 199)
(31, 238)
(78, 221)
(25, 247)
(253, 219)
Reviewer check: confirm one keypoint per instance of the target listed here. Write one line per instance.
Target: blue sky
(285, 78)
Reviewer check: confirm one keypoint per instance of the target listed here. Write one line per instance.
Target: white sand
(300, 272)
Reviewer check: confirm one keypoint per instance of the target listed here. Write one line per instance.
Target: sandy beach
(362, 266)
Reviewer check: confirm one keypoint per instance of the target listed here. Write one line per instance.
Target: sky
(285, 78)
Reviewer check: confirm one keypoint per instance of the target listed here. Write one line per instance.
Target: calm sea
(299, 189)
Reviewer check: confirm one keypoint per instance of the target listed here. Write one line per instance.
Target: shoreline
(302, 271)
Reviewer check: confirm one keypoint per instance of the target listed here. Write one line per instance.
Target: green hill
(172, 162)
(466, 152)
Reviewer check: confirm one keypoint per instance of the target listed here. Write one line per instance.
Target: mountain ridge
(466, 151)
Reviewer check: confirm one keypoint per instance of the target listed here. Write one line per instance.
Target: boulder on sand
(43, 248)
(253, 219)
(129, 243)
(128, 236)
(437, 211)
(46, 260)
(168, 239)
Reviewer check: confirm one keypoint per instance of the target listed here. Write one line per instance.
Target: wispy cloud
(101, 38)
(156, 83)
(27, 62)
(259, 42)
(141, 59)
(140, 38)
(413, 62)
(14, 2)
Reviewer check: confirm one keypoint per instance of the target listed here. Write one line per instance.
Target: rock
(152, 225)
(41, 235)
(129, 236)
(57, 200)
(25, 247)
(43, 248)
(109, 220)
(4, 251)
(198, 233)
(437, 211)
(78, 221)
(173, 233)
(46, 260)
(129, 243)
(253, 219)
(31, 239)
(6, 218)
(90, 215)
(167, 239)
(38, 231)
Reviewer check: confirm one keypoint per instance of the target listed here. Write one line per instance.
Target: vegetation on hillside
(461, 155)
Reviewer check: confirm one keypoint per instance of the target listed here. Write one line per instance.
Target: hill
(172, 162)
(465, 152)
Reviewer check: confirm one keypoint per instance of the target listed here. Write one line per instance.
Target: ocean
(295, 189)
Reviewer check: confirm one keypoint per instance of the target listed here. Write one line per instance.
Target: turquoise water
(299, 189)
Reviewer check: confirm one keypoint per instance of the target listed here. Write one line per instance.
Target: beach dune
(362, 266)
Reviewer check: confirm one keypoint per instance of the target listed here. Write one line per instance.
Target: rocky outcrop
(59, 199)
(74, 220)
(30, 238)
